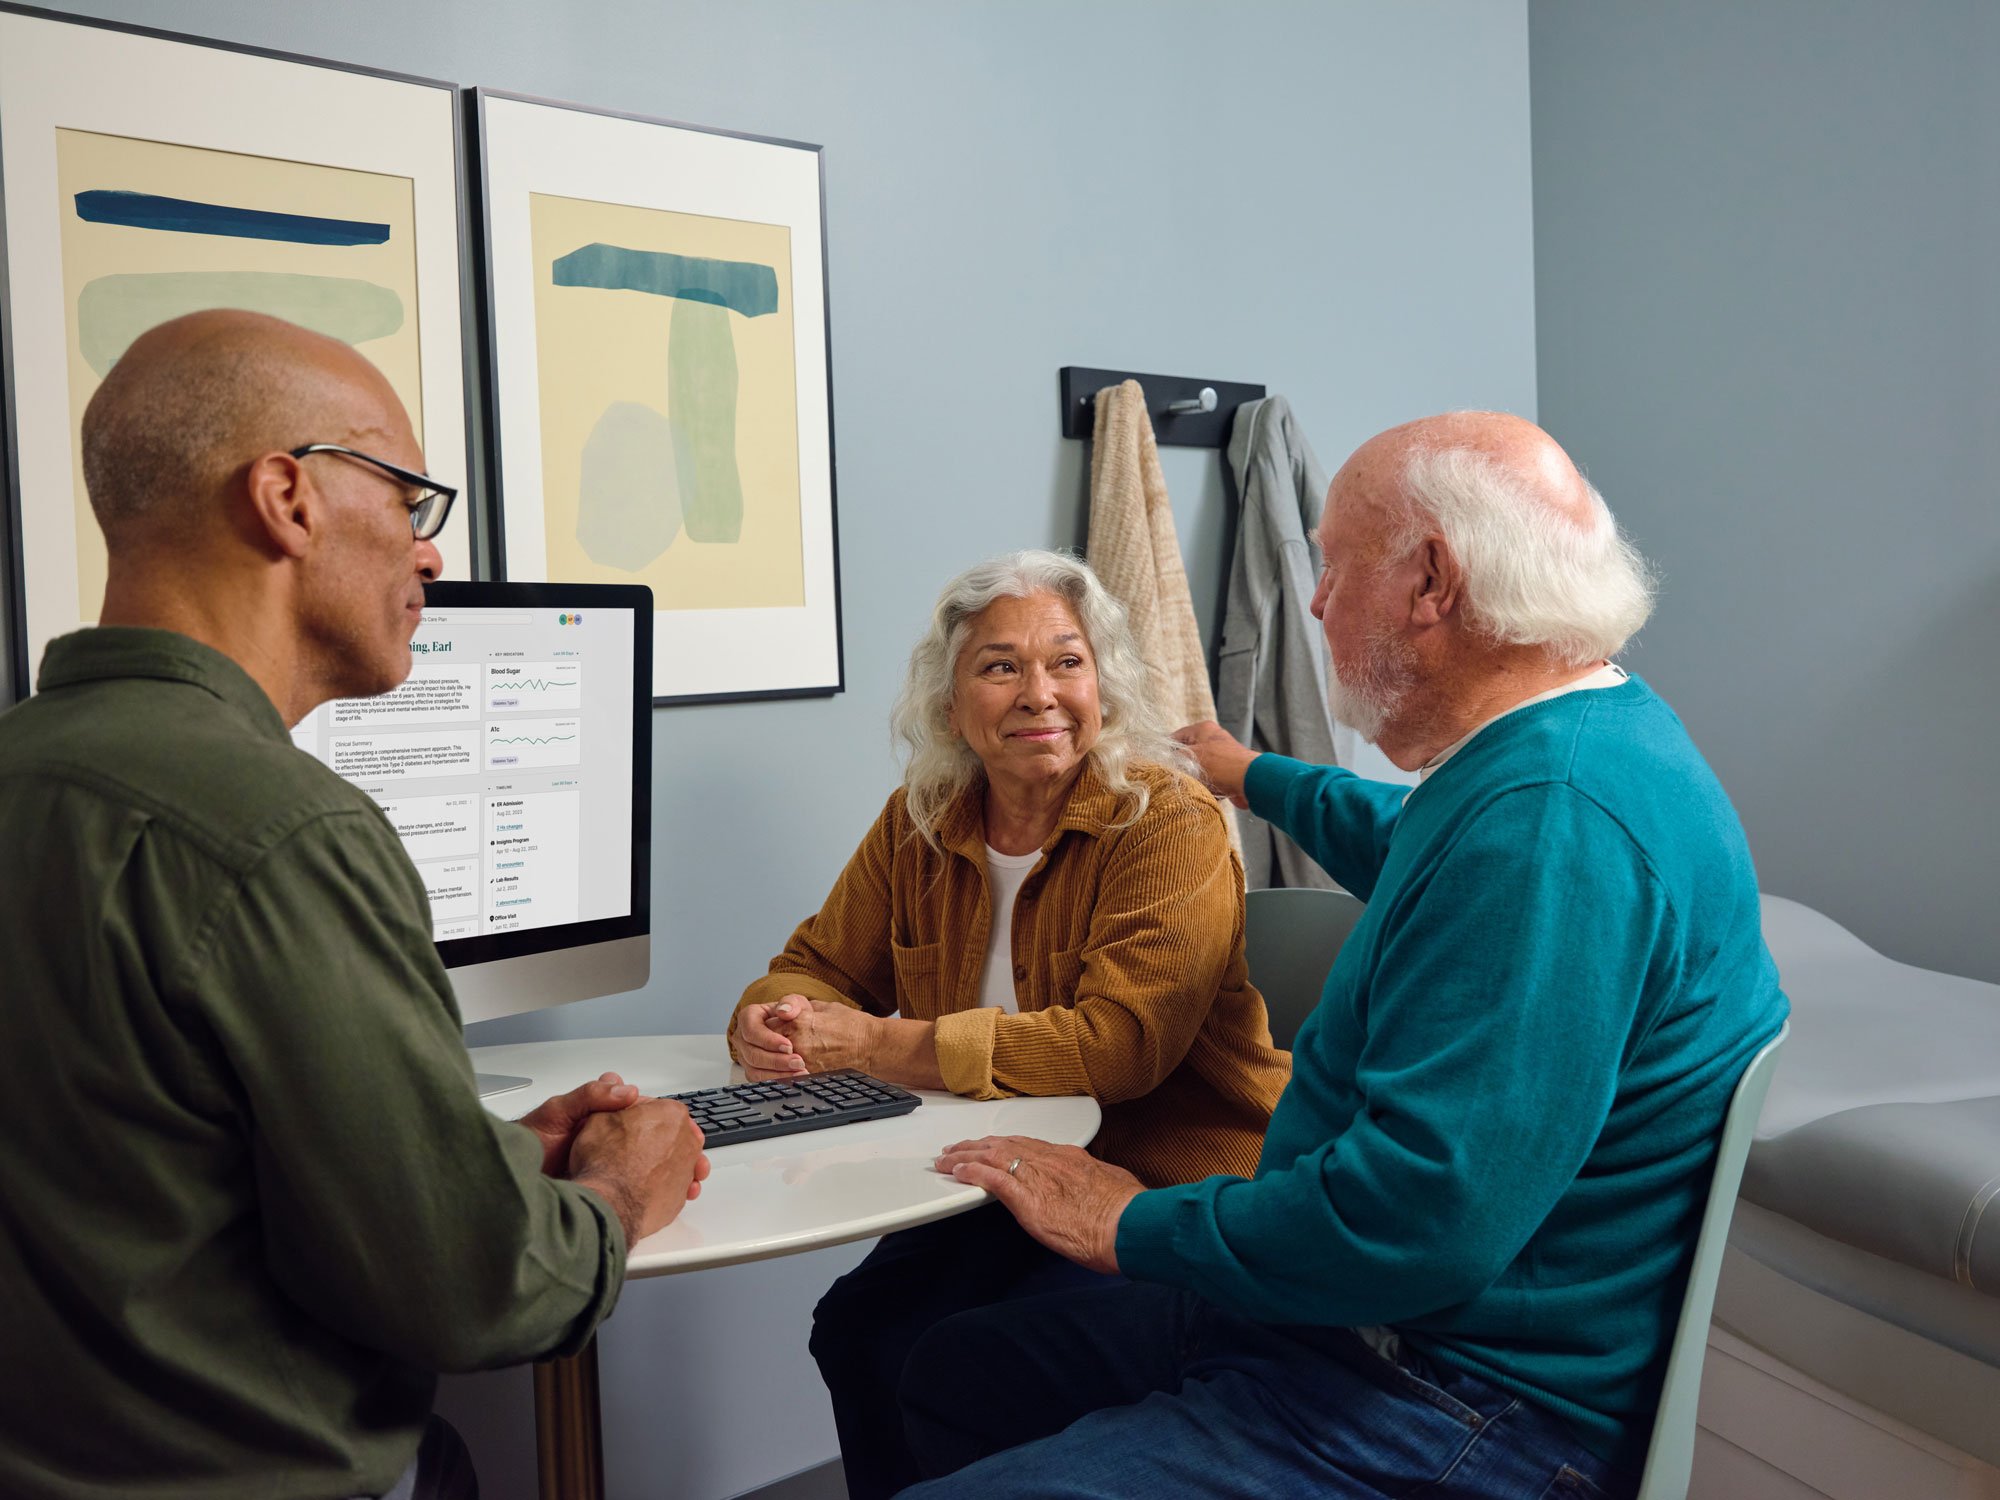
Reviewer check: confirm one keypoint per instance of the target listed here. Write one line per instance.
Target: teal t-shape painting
(701, 374)
(662, 386)
(669, 403)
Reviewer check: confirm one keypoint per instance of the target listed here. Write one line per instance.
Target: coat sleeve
(1271, 670)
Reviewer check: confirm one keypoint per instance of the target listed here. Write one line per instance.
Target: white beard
(1366, 697)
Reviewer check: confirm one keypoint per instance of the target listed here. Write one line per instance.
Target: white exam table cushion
(1882, 1129)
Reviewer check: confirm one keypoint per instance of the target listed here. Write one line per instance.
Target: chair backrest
(1290, 939)
(1670, 1458)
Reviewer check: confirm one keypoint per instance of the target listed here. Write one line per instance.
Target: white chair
(1670, 1457)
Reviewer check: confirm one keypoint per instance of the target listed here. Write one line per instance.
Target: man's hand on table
(558, 1120)
(1223, 758)
(645, 1160)
(1062, 1195)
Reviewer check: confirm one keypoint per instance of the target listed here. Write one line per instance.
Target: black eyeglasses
(432, 504)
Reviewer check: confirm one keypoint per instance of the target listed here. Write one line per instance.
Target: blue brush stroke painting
(187, 216)
(742, 286)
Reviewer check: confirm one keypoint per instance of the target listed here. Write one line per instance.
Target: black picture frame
(809, 661)
(35, 41)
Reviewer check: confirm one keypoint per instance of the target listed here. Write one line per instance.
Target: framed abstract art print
(660, 394)
(145, 175)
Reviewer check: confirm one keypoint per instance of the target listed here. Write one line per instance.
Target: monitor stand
(490, 1084)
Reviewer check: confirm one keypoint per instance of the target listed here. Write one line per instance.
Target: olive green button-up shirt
(249, 1201)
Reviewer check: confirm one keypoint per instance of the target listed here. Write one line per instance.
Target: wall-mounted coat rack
(1186, 413)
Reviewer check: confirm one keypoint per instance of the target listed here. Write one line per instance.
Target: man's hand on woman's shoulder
(1222, 757)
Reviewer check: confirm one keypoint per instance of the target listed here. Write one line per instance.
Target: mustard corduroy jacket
(1128, 969)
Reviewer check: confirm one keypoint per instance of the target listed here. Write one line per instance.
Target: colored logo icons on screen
(576, 619)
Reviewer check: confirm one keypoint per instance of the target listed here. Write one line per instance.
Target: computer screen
(516, 764)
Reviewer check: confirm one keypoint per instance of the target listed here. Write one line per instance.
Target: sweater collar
(1610, 675)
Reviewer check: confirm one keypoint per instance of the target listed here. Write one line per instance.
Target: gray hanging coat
(1271, 673)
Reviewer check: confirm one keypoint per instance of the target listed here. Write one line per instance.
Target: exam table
(1855, 1348)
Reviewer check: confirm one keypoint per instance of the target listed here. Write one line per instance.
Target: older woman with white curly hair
(1048, 905)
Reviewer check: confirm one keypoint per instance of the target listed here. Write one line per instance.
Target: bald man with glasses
(249, 1201)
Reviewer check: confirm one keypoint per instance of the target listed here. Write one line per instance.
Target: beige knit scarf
(1137, 553)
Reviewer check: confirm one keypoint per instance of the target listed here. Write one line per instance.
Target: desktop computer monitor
(516, 764)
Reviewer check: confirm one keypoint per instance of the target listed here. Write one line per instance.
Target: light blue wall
(1330, 198)
(1768, 303)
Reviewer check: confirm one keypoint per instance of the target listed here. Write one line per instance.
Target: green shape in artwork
(701, 409)
(112, 311)
(628, 494)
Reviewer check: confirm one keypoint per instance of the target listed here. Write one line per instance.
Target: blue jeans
(1144, 1391)
(868, 1321)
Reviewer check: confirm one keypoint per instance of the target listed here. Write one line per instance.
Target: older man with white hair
(1457, 1267)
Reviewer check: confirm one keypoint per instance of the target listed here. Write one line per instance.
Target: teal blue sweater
(1503, 1111)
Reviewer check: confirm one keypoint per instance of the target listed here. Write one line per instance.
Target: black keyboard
(754, 1111)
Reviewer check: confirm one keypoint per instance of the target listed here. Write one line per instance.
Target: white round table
(762, 1198)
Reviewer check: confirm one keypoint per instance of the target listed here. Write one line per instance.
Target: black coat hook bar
(1193, 425)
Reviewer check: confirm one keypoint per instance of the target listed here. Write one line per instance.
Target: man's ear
(1438, 589)
(284, 506)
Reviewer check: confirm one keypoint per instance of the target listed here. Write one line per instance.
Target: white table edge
(642, 1262)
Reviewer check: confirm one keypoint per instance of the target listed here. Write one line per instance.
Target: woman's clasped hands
(795, 1035)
